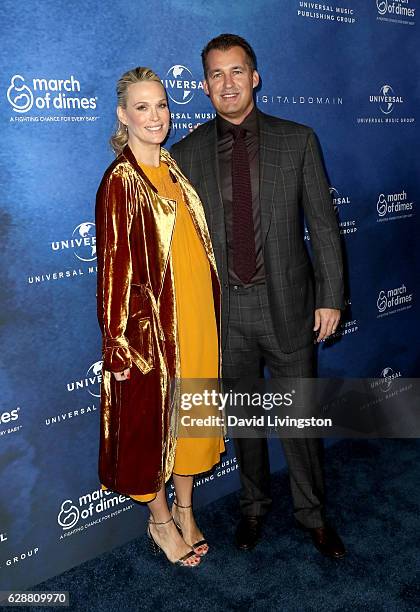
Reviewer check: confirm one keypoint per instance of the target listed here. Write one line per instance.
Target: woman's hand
(124, 375)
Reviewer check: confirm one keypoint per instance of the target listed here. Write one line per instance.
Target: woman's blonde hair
(119, 138)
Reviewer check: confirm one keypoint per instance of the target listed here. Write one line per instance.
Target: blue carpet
(374, 503)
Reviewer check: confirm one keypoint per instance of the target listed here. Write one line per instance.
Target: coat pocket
(140, 337)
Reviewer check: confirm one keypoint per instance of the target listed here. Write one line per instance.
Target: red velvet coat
(137, 315)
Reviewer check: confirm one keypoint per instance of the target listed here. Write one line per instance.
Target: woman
(159, 312)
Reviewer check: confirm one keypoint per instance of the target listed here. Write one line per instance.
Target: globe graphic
(177, 70)
(85, 229)
(96, 368)
(183, 94)
(85, 252)
(386, 107)
(386, 374)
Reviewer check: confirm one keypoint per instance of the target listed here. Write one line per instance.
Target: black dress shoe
(326, 540)
(248, 532)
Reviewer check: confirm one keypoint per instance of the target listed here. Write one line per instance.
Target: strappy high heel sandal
(198, 544)
(156, 549)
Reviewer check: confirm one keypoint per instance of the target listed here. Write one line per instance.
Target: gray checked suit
(275, 321)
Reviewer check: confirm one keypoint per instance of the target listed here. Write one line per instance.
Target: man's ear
(255, 79)
(121, 115)
(206, 88)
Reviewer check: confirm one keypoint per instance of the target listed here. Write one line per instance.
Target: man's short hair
(224, 42)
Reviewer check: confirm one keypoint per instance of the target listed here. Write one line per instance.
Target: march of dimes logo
(9, 421)
(392, 206)
(92, 508)
(37, 99)
(388, 104)
(81, 246)
(393, 300)
(396, 11)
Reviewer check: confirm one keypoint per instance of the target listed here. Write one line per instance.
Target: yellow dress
(197, 331)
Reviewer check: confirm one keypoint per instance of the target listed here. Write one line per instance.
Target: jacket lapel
(164, 212)
(268, 157)
(209, 185)
(194, 205)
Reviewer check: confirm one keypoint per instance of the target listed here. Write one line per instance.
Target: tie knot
(237, 132)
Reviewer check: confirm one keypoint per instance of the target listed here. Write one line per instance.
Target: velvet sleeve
(113, 225)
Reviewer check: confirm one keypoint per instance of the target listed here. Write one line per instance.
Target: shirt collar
(250, 124)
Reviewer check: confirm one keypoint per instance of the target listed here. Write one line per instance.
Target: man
(254, 174)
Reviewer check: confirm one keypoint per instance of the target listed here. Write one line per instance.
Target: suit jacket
(292, 181)
(137, 315)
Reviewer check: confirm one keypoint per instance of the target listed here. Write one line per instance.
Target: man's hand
(326, 322)
(124, 375)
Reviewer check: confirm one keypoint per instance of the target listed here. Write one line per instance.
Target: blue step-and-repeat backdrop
(348, 68)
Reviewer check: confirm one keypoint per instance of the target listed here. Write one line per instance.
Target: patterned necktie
(244, 260)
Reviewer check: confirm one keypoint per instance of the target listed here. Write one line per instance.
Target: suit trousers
(251, 338)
